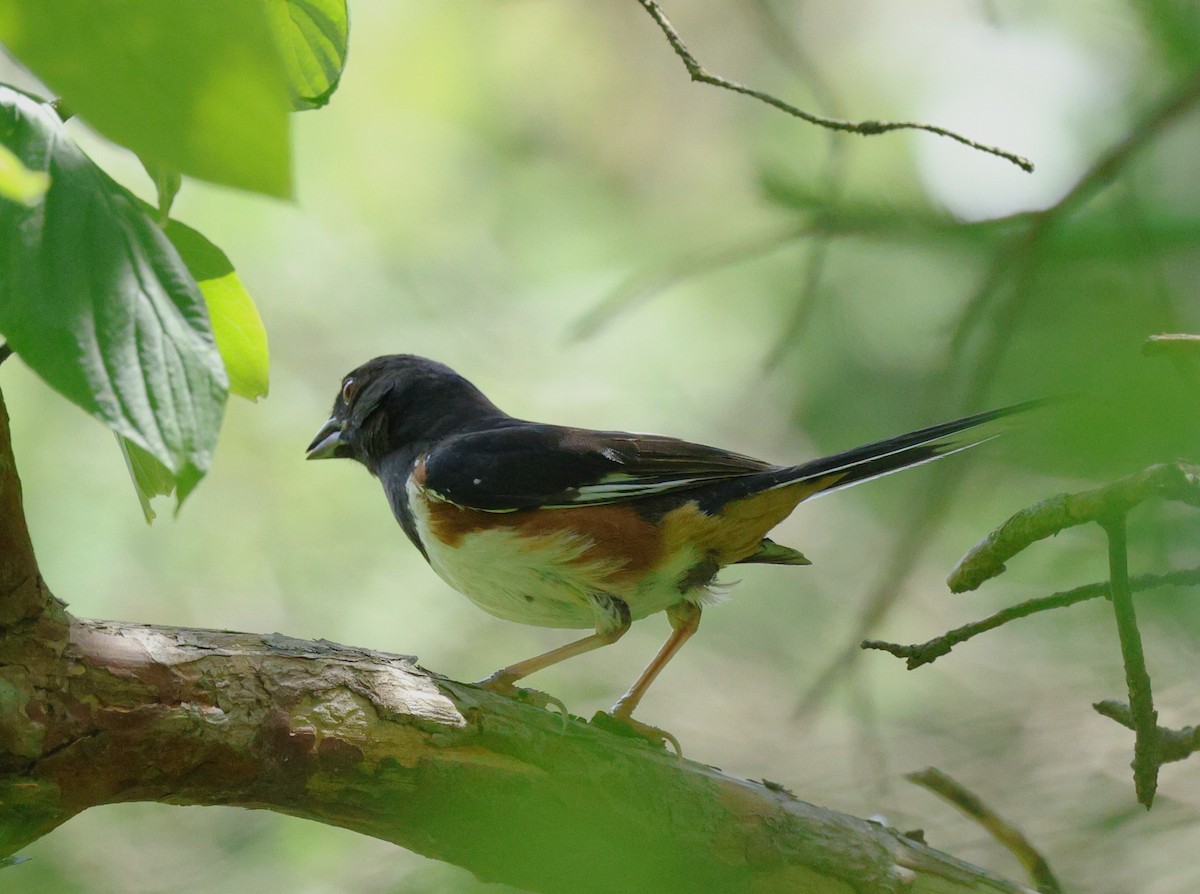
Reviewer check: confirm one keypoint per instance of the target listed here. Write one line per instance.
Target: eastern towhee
(567, 527)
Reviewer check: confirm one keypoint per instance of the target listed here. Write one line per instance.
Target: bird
(566, 527)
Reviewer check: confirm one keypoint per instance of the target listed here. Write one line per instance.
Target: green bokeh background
(488, 174)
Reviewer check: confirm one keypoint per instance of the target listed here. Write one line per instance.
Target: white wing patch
(620, 485)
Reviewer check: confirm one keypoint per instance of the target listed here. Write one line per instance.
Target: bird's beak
(328, 439)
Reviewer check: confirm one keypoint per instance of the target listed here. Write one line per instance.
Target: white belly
(548, 583)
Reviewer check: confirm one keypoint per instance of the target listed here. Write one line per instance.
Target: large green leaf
(199, 87)
(312, 37)
(241, 336)
(17, 182)
(97, 301)
(1174, 28)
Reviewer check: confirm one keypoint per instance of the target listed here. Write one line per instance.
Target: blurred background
(533, 193)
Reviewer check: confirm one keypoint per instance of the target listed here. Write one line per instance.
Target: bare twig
(24, 599)
(1137, 678)
(956, 794)
(919, 654)
(1173, 744)
(1108, 507)
(833, 178)
(645, 285)
(890, 583)
(1172, 481)
(698, 73)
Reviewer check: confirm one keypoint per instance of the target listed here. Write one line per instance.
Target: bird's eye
(349, 389)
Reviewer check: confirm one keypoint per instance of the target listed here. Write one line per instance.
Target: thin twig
(645, 285)
(918, 654)
(1013, 839)
(913, 540)
(1170, 481)
(1137, 679)
(806, 303)
(832, 178)
(1173, 744)
(698, 73)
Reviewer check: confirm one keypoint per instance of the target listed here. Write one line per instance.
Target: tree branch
(1178, 481)
(929, 651)
(1137, 678)
(373, 743)
(23, 596)
(954, 792)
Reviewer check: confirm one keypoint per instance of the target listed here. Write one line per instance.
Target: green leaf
(199, 87)
(241, 336)
(150, 477)
(1174, 28)
(312, 37)
(97, 301)
(167, 182)
(17, 182)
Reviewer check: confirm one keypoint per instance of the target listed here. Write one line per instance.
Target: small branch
(954, 793)
(779, 36)
(698, 73)
(912, 541)
(23, 596)
(643, 286)
(1137, 679)
(1173, 744)
(927, 652)
(1172, 481)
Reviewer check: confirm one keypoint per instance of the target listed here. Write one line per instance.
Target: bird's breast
(539, 566)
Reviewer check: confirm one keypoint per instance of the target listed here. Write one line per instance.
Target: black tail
(861, 464)
(913, 449)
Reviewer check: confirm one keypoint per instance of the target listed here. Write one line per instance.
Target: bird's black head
(399, 402)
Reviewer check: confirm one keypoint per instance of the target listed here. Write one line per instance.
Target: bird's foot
(502, 684)
(624, 725)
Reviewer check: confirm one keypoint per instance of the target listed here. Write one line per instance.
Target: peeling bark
(373, 743)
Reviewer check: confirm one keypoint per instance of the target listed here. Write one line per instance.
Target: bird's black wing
(525, 464)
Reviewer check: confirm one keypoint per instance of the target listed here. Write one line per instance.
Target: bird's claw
(635, 729)
(504, 686)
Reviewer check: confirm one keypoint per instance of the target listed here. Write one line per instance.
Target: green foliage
(17, 182)
(236, 325)
(96, 299)
(137, 318)
(198, 87)
(1174, 27)
(312, 36)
